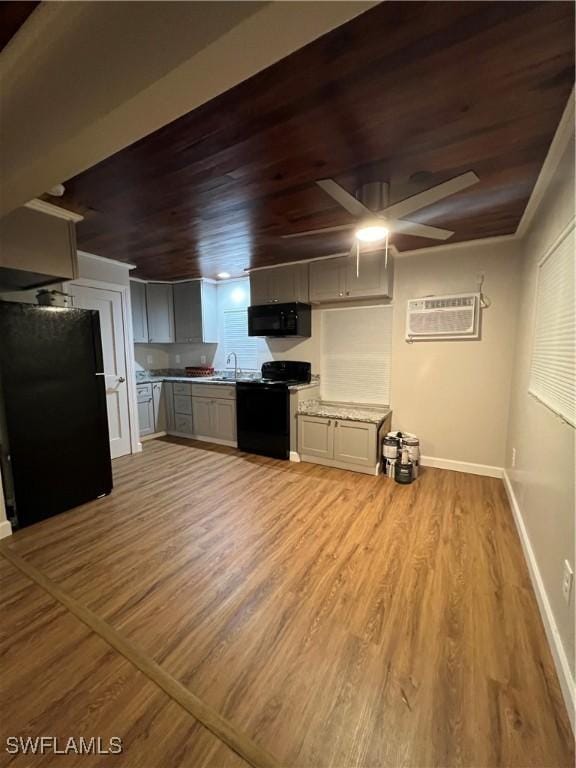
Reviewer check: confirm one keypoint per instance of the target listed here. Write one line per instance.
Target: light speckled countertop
(150, 379)
(345, 411)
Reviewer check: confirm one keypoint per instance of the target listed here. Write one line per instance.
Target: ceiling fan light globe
(371, 233)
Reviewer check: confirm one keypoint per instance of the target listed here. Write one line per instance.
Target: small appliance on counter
(263, 408)
(401, 456)
(53, 298)
(279, 320)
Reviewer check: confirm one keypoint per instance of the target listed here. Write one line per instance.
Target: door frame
(124, 291)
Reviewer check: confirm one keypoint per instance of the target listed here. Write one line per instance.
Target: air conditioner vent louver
(443, 317)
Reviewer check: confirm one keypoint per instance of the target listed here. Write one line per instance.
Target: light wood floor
(335, 619)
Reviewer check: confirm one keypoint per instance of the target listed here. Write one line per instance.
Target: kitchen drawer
(221, 391)
(182, 388)
(183, 423)
(144, 392)
(182, 404)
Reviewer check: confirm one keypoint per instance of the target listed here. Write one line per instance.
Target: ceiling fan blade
(345, 199)
(420, 230)
(430, 196)
(339, 228)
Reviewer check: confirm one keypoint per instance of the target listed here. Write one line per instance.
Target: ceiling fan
(377, 219)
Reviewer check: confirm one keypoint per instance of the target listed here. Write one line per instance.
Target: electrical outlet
(178, 358)
(567, 577)
(513, 457)
(202, 359)
(149, 359)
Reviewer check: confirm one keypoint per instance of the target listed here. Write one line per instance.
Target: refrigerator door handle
(121, 379)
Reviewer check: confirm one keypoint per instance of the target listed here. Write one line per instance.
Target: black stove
(263, 408)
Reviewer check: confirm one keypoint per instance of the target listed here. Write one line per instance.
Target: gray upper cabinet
(139, 312)
(260, 292)
(328, 279)
(36, 249)
(373, 278)
(336, 279)
(195, 317)
(160, 305)
(280, 285)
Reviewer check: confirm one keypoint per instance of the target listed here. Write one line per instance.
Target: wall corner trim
(567, 684)
(559, 143)
(5, 529)
(462, 466)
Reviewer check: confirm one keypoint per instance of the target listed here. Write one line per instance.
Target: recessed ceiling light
(223, 275)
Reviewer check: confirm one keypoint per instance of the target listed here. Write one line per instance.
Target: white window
(553, 370)
(357, 354)
(236, 338)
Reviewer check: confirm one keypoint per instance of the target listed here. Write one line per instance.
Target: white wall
(455, 394)
(543, 478)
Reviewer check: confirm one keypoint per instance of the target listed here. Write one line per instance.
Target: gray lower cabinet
(152, 409)
(214, 418)
(355, 443)
(195, 316)
(168, 390)
(315, 437)
(224, 416)
(206, 411)
(145, 403)
(160, 306)
(202, 411)
(158, 399)
(182, 408)
(139, 312)
(340, 442)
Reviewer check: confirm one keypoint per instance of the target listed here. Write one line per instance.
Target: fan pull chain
(357, 258)
(386, 253)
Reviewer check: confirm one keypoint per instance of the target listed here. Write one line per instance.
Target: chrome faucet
(235, 363)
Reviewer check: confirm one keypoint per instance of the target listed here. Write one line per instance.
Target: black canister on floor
(403, 470)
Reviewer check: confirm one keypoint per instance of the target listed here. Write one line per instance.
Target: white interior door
(108, 302)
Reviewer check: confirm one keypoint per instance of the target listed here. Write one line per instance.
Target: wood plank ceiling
(412, 93)
(12, 15)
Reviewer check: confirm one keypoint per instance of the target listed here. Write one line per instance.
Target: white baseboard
(555, 642)
(152, 436)
(294, 456)
(5, 529)
(462, 466)
(202, 438)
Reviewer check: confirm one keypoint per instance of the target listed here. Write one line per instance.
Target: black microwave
(294, 319)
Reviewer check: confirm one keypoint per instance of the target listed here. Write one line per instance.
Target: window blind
(553, 370)
(236, 338)
(356, 354)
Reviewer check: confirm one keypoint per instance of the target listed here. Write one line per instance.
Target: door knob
(120, 379)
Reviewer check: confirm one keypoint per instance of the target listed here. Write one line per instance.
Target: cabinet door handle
(329, 422)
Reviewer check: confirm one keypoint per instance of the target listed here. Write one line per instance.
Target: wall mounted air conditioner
(443, 317)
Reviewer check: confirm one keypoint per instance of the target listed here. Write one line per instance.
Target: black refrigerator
(54, 442)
